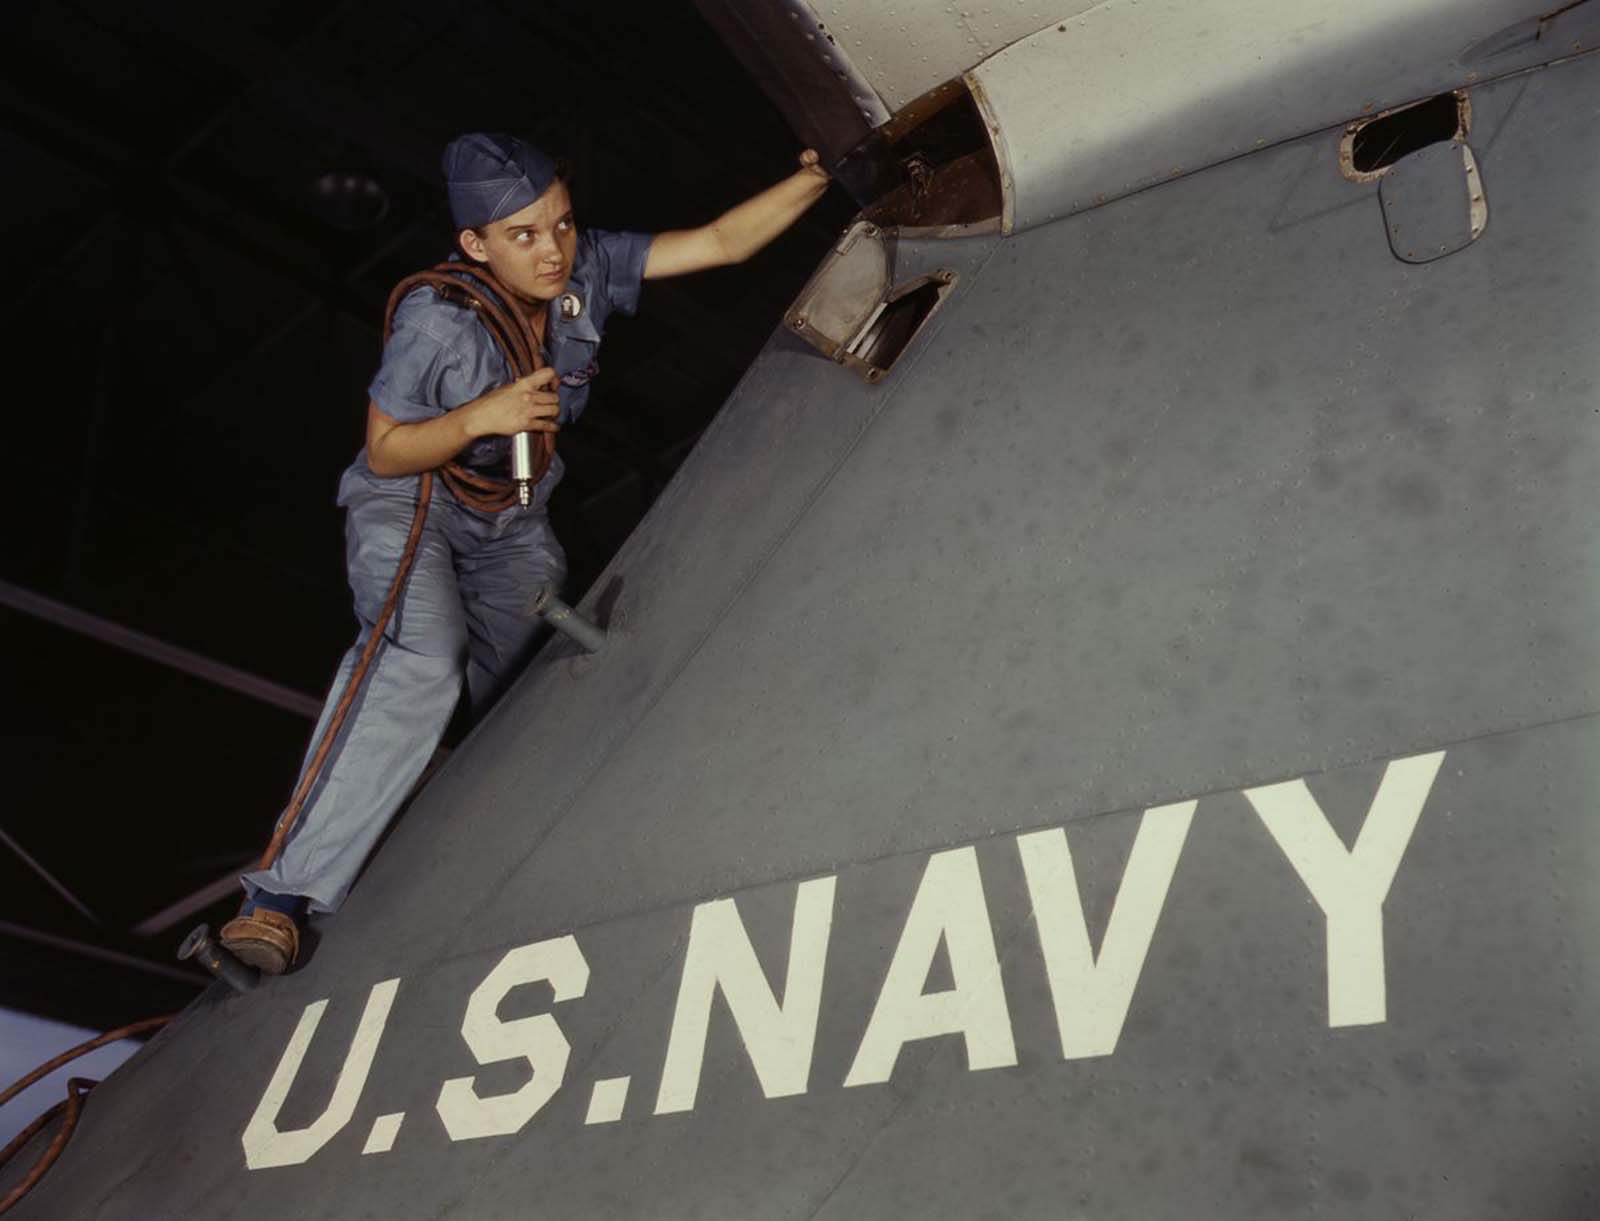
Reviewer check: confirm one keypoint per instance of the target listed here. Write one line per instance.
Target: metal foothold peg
(200, 946)
(588, 636)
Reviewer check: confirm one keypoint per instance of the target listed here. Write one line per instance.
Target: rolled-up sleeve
(619, 262)
(423, 374)
(410, 384)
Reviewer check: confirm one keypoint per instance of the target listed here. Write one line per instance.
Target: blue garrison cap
(490, 175)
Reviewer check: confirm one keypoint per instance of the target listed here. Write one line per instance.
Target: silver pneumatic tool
(571, 306)
(522, 466)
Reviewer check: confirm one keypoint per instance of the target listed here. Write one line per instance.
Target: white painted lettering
(382, 1136)
(1351, 887)
(1091, 995)
(949, 906)
(537, 1039)
(778, 1038)
(606, 1100)
(264, 1144)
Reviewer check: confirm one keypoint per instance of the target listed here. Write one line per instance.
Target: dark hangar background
(190, 324)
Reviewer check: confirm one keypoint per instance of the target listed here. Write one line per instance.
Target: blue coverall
(464, 612)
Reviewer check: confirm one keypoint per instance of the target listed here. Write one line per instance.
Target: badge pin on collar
(571, 306)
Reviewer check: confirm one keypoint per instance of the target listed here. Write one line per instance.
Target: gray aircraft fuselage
(1139, 759)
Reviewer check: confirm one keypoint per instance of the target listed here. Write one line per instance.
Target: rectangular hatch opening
(895, 323)
(853, 311)
(1371, 146)
(940, 163)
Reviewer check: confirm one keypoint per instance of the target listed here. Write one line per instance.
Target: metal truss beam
(126, 638)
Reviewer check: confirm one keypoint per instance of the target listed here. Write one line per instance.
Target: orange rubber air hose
(77, 1090)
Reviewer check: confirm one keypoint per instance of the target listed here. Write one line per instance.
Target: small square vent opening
(1373, 145)
(895, 324)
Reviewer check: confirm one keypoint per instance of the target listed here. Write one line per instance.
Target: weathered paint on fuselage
(1204, 604)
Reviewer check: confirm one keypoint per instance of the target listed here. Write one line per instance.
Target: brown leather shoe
(267, 940)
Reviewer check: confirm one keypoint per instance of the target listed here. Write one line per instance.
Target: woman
(446, 394)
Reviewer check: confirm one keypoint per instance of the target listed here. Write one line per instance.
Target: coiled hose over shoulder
(480, 290)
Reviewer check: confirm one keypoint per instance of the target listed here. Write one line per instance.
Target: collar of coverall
(582, 327)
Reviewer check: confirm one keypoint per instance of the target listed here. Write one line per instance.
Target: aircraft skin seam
(872, 107)
(835, 867)
(1468, 85)
(888, 1121)
(912, 1082)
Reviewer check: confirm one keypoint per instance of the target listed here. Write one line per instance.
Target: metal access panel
(1137, 761)
(1434, 202)
(850, 308)
(1131, 93)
